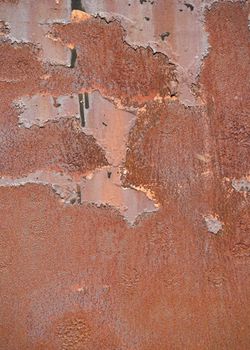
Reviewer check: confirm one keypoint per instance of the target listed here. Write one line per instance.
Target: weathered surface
(101, 62)
(175, 28)
(57, 146)
(100, 119)
(124, 213)
(39, 109)
(172, 27)
(30, 21)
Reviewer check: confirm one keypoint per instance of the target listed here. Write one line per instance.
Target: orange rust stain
(78, 16)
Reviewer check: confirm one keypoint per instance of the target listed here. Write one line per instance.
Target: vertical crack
(80, 97)
(73, 58)
(86, 100)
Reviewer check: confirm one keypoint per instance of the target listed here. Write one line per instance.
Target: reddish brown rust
(225, 85)
(56, 147)
(19, 65)
(78, 276)
(106, 62)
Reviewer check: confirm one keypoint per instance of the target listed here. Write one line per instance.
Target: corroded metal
(124, 175)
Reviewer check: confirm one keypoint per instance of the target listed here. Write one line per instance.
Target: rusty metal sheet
(124, 175)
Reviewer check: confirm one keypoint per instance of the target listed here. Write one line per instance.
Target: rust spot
(130, 280)
(217, 277)
(55, 103)
(241, 250)
(73, 333)
(78, 16)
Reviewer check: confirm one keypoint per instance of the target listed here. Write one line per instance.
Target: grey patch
(129, 202)
(64, 186)
(38, 109)
(213, 224)
(23, 16)
(241, 185)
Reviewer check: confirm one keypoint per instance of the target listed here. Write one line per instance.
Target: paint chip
(39, 109)
(242, 185)
(213, 224)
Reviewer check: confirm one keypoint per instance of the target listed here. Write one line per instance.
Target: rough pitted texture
(18, 62)
(171, 136)
(225, 83)
(78, 276)
(20, 70)
(106, 62)
(57, 146)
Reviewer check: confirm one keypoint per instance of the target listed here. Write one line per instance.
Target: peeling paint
(63, 185)
(38, 109)
(120, 203)
(109, 126)
(101, 120)
(96, 188)
(103, 189)
(142, 76)
(186, 43)
(30, 22)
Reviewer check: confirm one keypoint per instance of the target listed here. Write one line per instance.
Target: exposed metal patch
(110, 127)
(174, 28)
(97, 188)
(213, 224)
(39, 109)
(30, 22)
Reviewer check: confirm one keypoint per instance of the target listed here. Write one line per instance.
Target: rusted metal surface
(124, 175)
